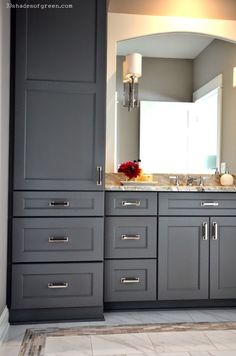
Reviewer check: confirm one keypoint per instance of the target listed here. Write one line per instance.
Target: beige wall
(216, 9)
(162, 79)
(220, 57)
(4, 142)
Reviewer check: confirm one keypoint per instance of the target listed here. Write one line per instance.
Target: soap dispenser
(226, 179)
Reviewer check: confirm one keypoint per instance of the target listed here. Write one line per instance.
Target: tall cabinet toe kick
(169, 249)
(56, 229)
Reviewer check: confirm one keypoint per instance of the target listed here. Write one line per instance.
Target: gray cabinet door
(57, 239)
(60, 66)
(222, 258)
(131, 237)
(183, 258)
(57, 285)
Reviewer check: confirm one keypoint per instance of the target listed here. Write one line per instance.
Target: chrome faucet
(199, 180)
(176, 179)
(191, 179)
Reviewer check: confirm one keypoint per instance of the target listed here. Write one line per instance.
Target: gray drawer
(202, 204)
(58, 204)
(131, 237)
(57, 239)
(57, 285)
(130, 280)
(131, 203)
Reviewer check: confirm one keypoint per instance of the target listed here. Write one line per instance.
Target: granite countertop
(170, 188)
(163, 183)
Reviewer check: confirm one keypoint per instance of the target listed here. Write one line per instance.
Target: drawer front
(130, 280)
(197, 204)
(131, 237)
(58, 204)
(131, 203)
(57, 239)
(57, 285)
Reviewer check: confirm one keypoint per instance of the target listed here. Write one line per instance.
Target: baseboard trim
(4, 324)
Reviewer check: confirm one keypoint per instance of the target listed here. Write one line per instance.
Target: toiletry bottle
(226, 179)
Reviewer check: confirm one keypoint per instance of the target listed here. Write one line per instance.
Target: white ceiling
(172, 45)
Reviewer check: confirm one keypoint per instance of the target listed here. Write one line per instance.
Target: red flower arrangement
(130, 169)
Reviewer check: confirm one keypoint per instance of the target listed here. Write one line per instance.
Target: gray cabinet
(130, 237)
(57, 285)
(130, 280)
(130, 246)
(57, 239)
(196, 255)
(201, 204)
(183, 257)
(59, 153)
(222, 258)
(131, 203)
(60, 66)
(58, 203)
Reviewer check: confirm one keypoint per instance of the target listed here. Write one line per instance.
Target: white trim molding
(4, 324)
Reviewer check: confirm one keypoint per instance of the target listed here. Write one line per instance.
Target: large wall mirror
(187, 118)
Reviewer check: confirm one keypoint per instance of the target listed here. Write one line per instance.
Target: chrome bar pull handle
(53, 239)
(125, 280)
(209, 203)
(136, 203)
(54, 204)
(99, 175)
(205, 231)
(214, 231)
(130, 237)
(55, 285)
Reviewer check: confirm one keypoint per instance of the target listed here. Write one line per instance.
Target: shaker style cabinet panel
(130, 280)
(58, 204)
(57, 239)
(131, 203)
(222, 258)
(197, 257)
(131, 237)
(183, 257)
(56, 285)
(60, 65)
(197, 204)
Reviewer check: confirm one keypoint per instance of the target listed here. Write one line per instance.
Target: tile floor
(188, 343)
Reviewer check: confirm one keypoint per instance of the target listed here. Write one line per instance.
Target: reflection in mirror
(192, 130)
(174, 77)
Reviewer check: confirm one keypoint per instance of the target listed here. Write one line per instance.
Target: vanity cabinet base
(25, 316)
(170, 304)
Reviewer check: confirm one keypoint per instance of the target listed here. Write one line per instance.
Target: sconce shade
(132, 66)
(234, 77)
(132, 70)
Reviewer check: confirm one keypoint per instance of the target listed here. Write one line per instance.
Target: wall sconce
(234, 77)
(132, 70)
